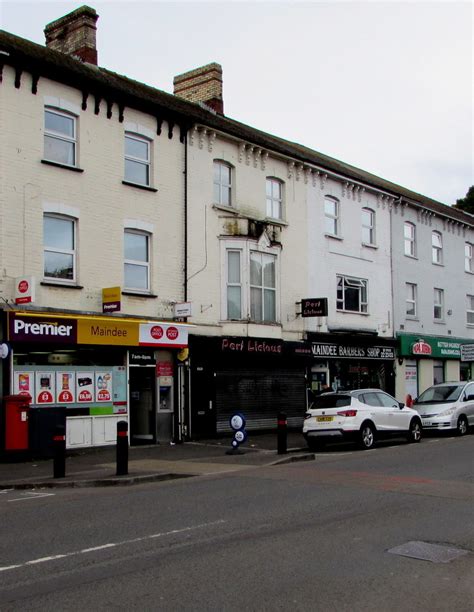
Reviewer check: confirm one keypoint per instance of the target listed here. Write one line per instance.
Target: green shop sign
(411, 345)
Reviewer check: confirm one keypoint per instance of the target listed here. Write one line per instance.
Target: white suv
(363, 415)
(447, 406)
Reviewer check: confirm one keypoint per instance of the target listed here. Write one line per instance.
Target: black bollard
(122, 448)
(59, 448)
(282, 425)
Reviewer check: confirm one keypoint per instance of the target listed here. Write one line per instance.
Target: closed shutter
(260, 395)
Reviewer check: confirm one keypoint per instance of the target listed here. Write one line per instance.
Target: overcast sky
(384, 86)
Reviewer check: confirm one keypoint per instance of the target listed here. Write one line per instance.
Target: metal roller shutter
(260, 394)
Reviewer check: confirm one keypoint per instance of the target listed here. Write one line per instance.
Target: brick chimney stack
(202, 85)
(75, 34)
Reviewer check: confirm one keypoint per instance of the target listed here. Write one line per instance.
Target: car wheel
(414, 433)
(462, 426)
(366, 436)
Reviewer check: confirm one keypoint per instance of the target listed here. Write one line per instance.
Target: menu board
(103, 386)
(65, 387)
(45, 388)
(85, 387)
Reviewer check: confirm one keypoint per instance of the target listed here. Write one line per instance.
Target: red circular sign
(23, 286)
(156, 332)
(172, 333)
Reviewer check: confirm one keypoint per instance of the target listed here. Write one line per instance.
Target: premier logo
(41, 329)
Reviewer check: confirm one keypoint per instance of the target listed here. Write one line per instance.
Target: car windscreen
(331, 401)
(446, 393)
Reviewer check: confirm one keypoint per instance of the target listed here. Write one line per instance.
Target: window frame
(333, 218)
(470, 310)
(369, 228)
(413, 300)
(352, 282)
(437, 292)
(138, 160)
(60, 135)
(246, 248)
(69, 252)
(220, 185)
(468, 257)
(437, 249)
(409, 241)
(273, 200)
(137, 262)
(262, 287)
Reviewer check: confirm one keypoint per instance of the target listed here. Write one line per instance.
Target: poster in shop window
(24, 383)
(65, 387)
(103, 386)
(45, 388)
(85, 387)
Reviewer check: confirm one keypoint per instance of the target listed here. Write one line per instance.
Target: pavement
(93, 467)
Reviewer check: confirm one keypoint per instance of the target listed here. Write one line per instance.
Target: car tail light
(307, 415)
(347, 413)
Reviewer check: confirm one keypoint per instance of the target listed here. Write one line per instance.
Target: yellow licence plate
(324, 419)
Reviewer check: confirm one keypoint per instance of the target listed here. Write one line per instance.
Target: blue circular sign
(237, 421)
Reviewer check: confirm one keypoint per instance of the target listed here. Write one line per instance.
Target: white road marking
(109, 545)
(31, 495)
(5, 491)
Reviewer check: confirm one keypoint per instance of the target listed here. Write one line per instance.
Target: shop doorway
(142, 383)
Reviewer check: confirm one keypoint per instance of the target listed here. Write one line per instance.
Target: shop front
(343, 361)
(100, 370)
(257, 377)
(427, 360)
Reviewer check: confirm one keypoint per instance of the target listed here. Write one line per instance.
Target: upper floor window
(137, 159)
(274, 191)
(331, 216)
(411, 290)
(250, 282)
(59, 238)
(351, 294)
(262, 287)
(437, 248)
(368, 226)
(222, 183)
(468, 257)
(409, 233)
(59, 137)
(438, 305)
(136, 260)
(470, 310)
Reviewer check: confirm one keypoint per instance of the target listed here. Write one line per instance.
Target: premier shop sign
(38, 329)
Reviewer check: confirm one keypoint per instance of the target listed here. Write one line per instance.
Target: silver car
(447, 406)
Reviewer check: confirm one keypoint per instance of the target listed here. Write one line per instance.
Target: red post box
(16, 408)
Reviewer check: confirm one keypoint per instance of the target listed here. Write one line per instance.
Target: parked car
(447, 406)
(362, 415)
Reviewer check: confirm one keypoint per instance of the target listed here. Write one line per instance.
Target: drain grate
(435, 553)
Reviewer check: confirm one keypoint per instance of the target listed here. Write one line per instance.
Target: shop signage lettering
(341, 351)
(153, 334)
(114, 331)
(247, 345)
(314, 307)
(430, 346)
(53, 330)
(467, 352)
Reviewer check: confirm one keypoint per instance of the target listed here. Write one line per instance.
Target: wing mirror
(469, 398)
(401, 405)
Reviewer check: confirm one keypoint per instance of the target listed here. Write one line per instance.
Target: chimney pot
(75, 34)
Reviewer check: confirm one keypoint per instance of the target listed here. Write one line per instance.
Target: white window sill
(411, 318)
(436, 263)
(229, 209)
(136, 293)
(411, 256)
(369, 246)
(139, 185)
(275, 221)
(355, 312)
(47, 282)
(439, 322)
(333, 236)
(469, 272)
